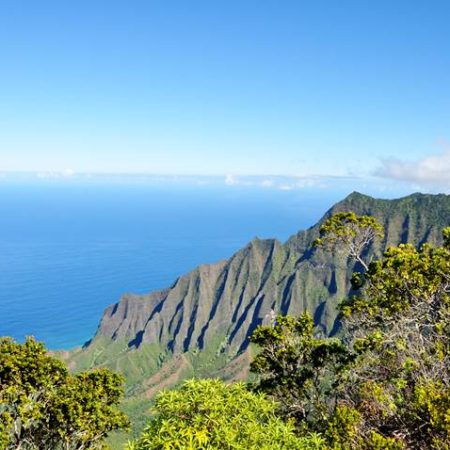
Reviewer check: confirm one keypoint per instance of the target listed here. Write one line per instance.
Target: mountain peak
(208, 315)
(355, 195)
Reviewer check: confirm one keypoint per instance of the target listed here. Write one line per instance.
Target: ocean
(68, 250)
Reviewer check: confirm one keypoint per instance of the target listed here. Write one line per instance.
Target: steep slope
(200, 325)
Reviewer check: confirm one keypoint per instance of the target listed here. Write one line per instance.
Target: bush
(42, 406)
(209, 415)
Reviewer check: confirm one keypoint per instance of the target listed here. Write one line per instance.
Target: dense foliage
(298, 370)
(386, 382)
(43, 407)
(210, 415)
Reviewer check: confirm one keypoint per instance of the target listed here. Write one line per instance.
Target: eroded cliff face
(205, 318)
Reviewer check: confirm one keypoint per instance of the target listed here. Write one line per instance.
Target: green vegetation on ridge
(385, 384)
(208, 315)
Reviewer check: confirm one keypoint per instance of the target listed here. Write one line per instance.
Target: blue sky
(289, 88)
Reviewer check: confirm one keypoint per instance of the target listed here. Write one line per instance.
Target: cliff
(201, 324)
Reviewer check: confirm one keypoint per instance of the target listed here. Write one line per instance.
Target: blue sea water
(68, 250)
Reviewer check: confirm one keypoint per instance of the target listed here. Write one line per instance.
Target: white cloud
(310, 182)
(267, 183)
(430, 170)
(66, 173)
(282, 183)
(303, 183)
(231, 180)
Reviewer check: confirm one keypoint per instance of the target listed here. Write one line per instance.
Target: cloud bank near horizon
(428, 175)
(431, 171)
(296, 185)
(278, 182)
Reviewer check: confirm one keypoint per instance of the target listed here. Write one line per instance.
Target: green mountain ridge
(201, 324)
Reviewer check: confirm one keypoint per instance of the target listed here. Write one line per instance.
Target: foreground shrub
(209, 415)
(42, 406)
